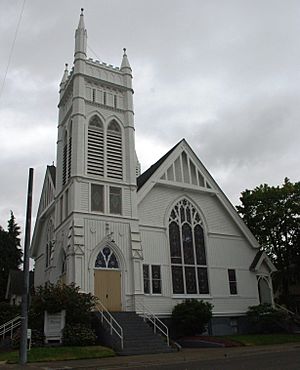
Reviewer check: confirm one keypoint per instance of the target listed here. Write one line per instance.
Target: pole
(24, 312)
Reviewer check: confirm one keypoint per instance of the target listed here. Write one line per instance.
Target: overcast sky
(225, 75)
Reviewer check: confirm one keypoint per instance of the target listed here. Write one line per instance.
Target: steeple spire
(125, 62)
(80, 38)
(64, 78)
(65, 75)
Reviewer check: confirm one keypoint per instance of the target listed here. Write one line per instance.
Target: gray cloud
(224, 75)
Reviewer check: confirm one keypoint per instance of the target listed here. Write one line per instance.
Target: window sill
(191, 296)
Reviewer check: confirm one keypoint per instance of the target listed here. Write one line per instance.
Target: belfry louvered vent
(95, 157)
(65, 153)
(114, 151)
(70, 157)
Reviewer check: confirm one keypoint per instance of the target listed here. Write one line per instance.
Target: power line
(94, 53)
(12, 48)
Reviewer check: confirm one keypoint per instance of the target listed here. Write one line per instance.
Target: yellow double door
(107, 287)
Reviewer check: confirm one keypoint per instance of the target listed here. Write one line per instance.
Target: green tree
(273, 215)
(10, 252)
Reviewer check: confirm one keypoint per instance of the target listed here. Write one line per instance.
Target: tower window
(97, 198)
(115, 101)
(114, 151)
(104, 98)
(187, 249)
(115, 200)
(65, 156)
(95, 155)
(94, 95)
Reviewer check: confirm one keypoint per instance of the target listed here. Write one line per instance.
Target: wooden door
(107, 287)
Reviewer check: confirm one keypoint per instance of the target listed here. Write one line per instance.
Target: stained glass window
(97, 198)
(146, 275)
(152, 279)
(187, 250)
(115, 200)
(106, 259)
(232, 281)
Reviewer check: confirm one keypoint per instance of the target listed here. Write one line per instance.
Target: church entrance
(108, 288)
(107, 280)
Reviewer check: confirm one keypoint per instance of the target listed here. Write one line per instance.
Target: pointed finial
(124, 49)
(81, 11)
(66, 66)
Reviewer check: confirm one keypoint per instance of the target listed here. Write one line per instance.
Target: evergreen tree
(10, 252)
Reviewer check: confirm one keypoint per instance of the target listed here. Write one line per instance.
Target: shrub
(54, 298)
(78, 335)
(266, 319)
(191, 316)
(8, 312)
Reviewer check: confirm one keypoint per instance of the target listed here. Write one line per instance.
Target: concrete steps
(139, 337)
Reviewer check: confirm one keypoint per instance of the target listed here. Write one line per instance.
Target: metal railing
(9, 326)
(291, 313)
(158, 325)
(114, 326)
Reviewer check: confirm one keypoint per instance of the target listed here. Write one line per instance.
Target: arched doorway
(107, 279)
(264, 289)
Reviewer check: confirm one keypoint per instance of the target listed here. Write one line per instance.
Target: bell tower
(96, 165)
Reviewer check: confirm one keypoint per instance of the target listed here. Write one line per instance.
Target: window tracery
(187, 249)
(106, 259)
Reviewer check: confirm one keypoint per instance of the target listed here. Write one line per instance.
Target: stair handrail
(149, 315)
(278, 306)
(111, 321)
(10, 326)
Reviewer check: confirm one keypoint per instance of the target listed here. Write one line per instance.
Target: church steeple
(80, 38)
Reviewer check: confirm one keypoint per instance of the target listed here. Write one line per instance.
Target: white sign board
(53, 326)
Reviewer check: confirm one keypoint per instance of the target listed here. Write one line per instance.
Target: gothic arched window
(50, 242)
(65, 157)
(114, 151)
(187, 249)
(106, 259)
(95, 154)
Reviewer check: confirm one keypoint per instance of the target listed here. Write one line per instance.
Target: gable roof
(259, 258)
(203, 181)
(52, 171)
(145, 176)
(45, 206)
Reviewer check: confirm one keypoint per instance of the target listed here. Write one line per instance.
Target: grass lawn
(264, 339)
(59, 353)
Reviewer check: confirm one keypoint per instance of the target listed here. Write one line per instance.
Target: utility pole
(24, 312)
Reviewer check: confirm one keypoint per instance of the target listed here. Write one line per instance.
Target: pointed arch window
(106, 259)
(70, 151)
(95, 155)
(65, 158)
(50, 243)
(187, 249)
(114, 151)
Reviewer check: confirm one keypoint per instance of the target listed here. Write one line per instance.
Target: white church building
(155, 238)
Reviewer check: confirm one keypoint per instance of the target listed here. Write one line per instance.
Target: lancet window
(187, 249)
(114, 151)
(95, 155)
(50, 243)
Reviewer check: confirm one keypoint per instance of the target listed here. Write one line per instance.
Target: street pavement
(275, 357)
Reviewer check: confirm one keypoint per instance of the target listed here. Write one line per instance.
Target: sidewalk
(131, 362)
